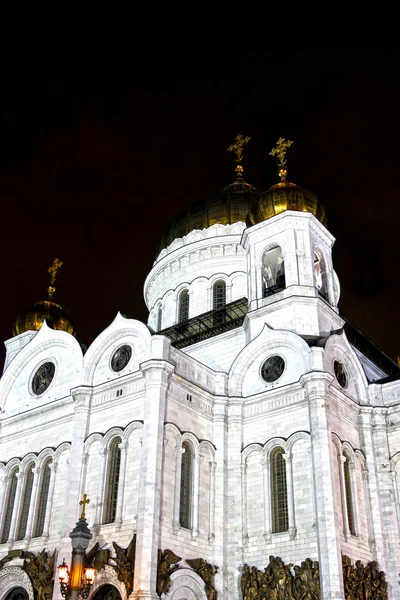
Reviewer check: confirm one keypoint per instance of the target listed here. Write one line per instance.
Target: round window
(43, 378)
(120, 358)
(272, 369)
(340, 373)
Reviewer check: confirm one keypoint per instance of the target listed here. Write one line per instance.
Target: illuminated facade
(248, 419)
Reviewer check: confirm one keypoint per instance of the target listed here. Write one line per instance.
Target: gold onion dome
(229, 206)
(46, 310)
(284, 195)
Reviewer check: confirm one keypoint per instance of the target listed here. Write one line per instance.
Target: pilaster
(157, 374)
(316, 386)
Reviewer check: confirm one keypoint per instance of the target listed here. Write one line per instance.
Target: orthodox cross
(237, 148)
(280, 152)
(57, 264)
(85, 500)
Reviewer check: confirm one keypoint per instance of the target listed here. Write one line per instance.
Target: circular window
(272, 369)
(43, 378)
(340, 373)
(120, 358)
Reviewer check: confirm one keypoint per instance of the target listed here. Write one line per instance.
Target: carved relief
(40, 570)
(363, 583)
(125, 564)
(166, 566)
(278, 582)
(206, 571)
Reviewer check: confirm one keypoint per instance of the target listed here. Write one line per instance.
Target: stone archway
(107, 592)
(15, 584)
(186, 585)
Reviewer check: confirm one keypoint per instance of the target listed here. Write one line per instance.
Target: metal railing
(207, 325)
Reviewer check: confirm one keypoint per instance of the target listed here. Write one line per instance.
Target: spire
(280, 151)
(237, 148)
(57, 264)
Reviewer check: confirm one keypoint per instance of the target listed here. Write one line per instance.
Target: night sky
(99, 151)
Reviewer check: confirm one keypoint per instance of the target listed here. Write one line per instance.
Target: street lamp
(77, 581)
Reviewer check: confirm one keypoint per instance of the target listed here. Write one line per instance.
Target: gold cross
(83, 502)
(57, 263)
(280, 151)
(238, 145)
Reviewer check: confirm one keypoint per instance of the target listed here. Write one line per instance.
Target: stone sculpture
(206, 571)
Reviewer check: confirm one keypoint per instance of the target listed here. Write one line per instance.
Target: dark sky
(99, 151)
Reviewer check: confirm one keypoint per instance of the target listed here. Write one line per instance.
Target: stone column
(290, 496)
(121, 485)
(316, 386)
(49, 503)
(345, 515)
(267, 500)
(220, 432)
(367, 445)
(211, 504)
(243, 472)
(3, 487)
(100, 490)
(354, 498)
(388, 508)
(157, 374)
(234, 507)
(396, 496)
(32, 505)
(367, 501)
(81, 397)
(195, 492)
(17, 506)
(177, 490)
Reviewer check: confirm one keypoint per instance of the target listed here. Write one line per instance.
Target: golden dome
(228, 207)
(32, 319)
(284, 196)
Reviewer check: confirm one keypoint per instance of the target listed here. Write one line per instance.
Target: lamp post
(78, 580)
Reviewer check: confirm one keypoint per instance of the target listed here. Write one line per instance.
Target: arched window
(319, 273)
(159, 318)
(26, 502)
(43, 496)
(219, 294)
(183, 312)
(273, 271)
(12, 489)
(114, 461)
(278, 491)
(348, 492)
(186, 486)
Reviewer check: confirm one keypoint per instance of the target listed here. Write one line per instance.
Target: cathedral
(243, 444)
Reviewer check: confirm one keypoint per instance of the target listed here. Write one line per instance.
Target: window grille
(44, 494)
(279, 491)
(112, 481)
(186, 486)
(347, 486)
(159, 318)
(183, 306)
(9, 506)
(219, 294)
(26, 501)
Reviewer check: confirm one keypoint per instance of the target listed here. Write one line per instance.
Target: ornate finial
(85, 500)
(237, 148)
(57, 263)
(280, 151)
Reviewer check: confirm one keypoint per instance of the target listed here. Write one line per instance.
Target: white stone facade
(340, 444)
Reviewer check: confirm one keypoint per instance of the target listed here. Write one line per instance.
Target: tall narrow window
(12, 489)
(26, 502)
(159, 318)
(319, 273)
(278, 491)
(183, 314)
(347, 485)
(186, 486)
(219, 294)
(273, 271)
(43, 496)
(112, 481)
